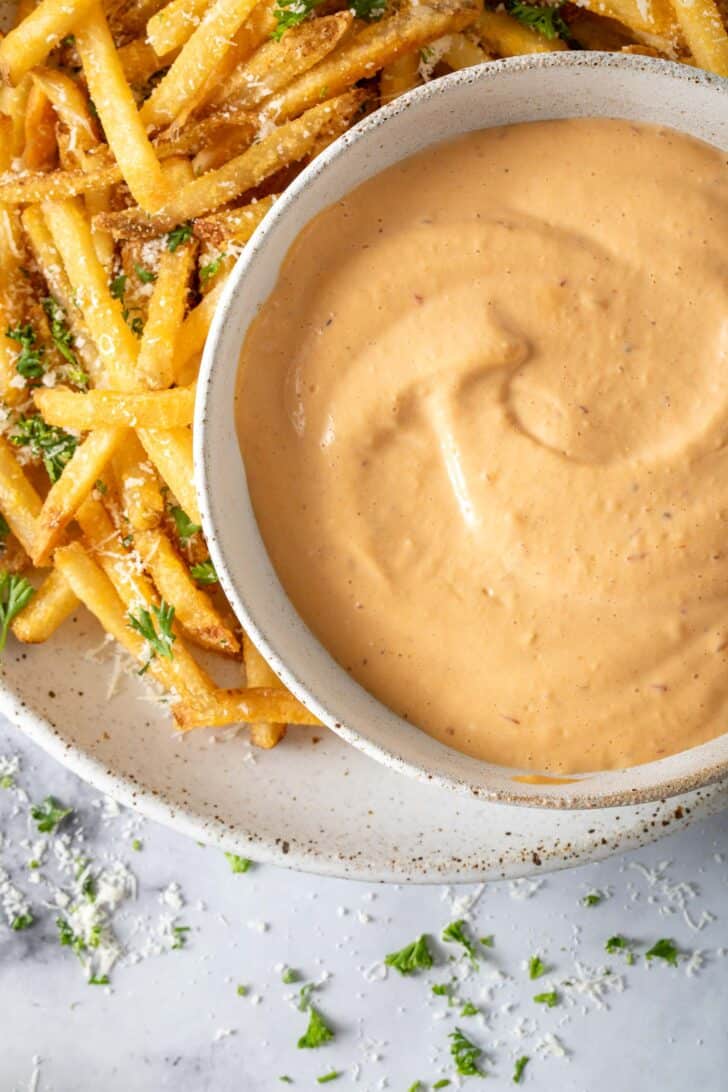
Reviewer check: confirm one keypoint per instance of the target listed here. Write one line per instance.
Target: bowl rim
(707, 772)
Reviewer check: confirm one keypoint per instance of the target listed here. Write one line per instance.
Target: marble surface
(190, 932)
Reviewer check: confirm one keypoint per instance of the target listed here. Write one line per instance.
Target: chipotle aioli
(484, 418)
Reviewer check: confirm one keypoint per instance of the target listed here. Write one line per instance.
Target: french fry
(53, 602)
(57, 185)
(139, 62)
(258, 673)
(463, 52)
(70, 105)
(370, 51)
(174, 24)
(123, 125)
(276, 63)
(164, 329)
(130, 16)
(29, 43)
(227, 142)
(208, 44)
(287, 144)
(83, 470)
(19, 502)
(181, 674)
(41, 147)
(399, 76)
(138, 485)
(11, 307)
(122, 568)
(84, 411)
(194, 609)
(116, 344)
(654, 18)
(192, 336)
(233, 225)
(171, 453)
(503, 36)
(257, 28)
(51, 266)
(705, 33)
(250, 706)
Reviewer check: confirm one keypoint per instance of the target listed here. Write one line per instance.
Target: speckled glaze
(520, 89)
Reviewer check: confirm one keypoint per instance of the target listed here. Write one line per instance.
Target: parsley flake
(180, 936)
(22, 921)
(465, 1054)
(519, 1067)
(186, 529)
(117, 287)
(536, 967)
(592, 899)
(29, 361)
(242, 991)
(289, 976)
(238, 864)
(49, 814)
(204, 572)
(207, 272)
(487, 942)
(136, 845)
(469, 1009)
(146, 276)
(317, 1033)
(616, 944)
(443, 1083)
(550, 999)
(413, 957)
(4, 531)
(456, 932)
(664, 949)
(160, 642)
(98, 980)
(15, 593)
(328, 1077)
(7, 781)
(63, 340)
(179, 235)
(544, 19)
(48, 442)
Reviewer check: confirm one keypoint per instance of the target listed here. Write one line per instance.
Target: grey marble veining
(172, 1018)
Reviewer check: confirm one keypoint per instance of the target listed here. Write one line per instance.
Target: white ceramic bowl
(552, 85)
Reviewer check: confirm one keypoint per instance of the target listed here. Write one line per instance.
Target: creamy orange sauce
(484, 416)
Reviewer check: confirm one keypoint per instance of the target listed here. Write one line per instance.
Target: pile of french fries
(141, 143)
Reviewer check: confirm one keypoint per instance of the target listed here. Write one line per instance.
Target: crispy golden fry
(120, 565)
(29, 43)
(85, 467)
(252, 706)
(164, 329)
(595, 32)
(101, 409)
(399, 76)
(52, 604)
(12, 103)
(233, 225)
(370, 50)
(705, 33)
(276, 63)
(192, 336)
(51, 266)
(257, 28)
(655, 18)
(130, 16)
(503, 36)
(117, 110)
(71, 106)
(171, 453)
(194, 609)
(41, 147)
(258, 673)
(207, 46)
(11, 306)
(287, 144)
(138, 485)
(463, 52)
(116, 344)
(32, 188)
(139, 62)
(227, 142)
(19, 502)
(182, 675)
(174, 25)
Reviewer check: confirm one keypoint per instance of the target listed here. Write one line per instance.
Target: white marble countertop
(172, 1017)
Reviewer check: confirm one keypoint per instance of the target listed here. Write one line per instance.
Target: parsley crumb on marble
(550, 999)
(519, 1067)
(487, 942)
(536, 967)
(664, 949)
(592, 899)
(413, 957)
(49, 814)
(317, 1033)
(242, 991)
(136, 845)
(444, 1083)
(180, 935)
(328, 1077)
(22, 921)
(465, 1054)
(289, 975)
(456, 932)
(238, 864)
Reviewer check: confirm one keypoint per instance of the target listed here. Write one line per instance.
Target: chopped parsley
(22, 921)
(443, 989)
(456, 932)
(29, 361)
(469, 1009)
(616, 944)
(179, 235)
(317, 1033)
(592, 899)
(4, 531)
(416, 1087)
(289, 13)
(146, 276)
(285, 1079)
(98, 980)
(488, 941)
(68, 939)
(664, 949)
(550, 999)
(49, 814)
(328, 1077)
(443, 1083)
(465, 1054)
(48, 442)
(15, 593)
(7, 781)
(289, 976)
(238, 864)
(160, 642)
(242, 991)
(304, 996)
(136, 845)
(88, 889)
(186, 529)
(519, 1067)
(101, 487)
(204, 572)
(544, 19)
(536, 967)
(117, 287)
(207, 272)
(368, 10)
(180, 935)
(413, 957)
(63, 340)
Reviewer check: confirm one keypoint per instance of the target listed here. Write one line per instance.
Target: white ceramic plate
(322, 806)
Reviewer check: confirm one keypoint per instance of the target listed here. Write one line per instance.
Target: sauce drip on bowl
(484, 417)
